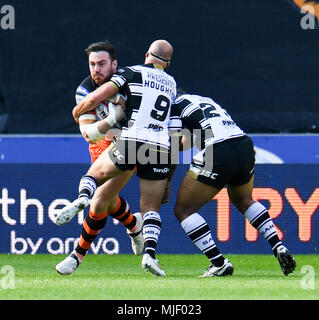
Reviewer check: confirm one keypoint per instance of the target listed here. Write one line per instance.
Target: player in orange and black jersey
(102, 64)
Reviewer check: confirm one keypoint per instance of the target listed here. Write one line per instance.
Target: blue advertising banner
(32, 190)
(276, 148)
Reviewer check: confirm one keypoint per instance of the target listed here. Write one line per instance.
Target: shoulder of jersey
(87, 85)
(132, 68)
(120, 70)
(183, 97)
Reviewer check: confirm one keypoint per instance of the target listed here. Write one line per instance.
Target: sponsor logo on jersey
(228, 123)
(154, 127)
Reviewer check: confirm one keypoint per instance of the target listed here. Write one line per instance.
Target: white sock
(199, 232)
(259, 218)
(151, 231)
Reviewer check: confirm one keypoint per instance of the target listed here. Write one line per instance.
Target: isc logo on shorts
(117, 154)
(208, 174)
(205, 173)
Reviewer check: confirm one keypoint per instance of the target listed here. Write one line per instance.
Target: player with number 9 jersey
(147, 114)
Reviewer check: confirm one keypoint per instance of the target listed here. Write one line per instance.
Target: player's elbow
(74, 112)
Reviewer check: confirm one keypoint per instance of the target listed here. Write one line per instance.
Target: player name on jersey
(161, 83)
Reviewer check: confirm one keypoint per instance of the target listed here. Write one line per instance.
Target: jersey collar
(154, 65)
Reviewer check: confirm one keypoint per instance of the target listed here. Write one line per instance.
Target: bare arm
(95, 131)
(93, 99)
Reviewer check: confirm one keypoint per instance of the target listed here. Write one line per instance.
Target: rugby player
(144, 141)
(226, 157)
(106, 201)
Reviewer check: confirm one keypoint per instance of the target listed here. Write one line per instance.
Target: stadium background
(251, 56)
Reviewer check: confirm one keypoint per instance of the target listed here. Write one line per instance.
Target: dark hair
(102, 46)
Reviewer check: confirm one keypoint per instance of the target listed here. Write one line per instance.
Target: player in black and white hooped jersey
(226, 157)
(141, 124)
(144, 142)
(206, 119)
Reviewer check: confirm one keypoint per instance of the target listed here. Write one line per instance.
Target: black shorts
(151, 161)
(230, 162)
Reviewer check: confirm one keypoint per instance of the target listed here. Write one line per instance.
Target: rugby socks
(199, 232)
(259, 218)
(122, 213)
(87, 186)
(92, 226)
(151, 231)
(94, 223)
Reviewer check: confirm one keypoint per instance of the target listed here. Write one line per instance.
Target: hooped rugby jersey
(100, 112)
(150, 93)
(204, 118)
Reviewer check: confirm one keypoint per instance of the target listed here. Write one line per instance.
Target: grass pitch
(115, 277)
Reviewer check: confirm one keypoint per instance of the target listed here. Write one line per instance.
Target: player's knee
(181, 212)
(99, 172)
(148, 203)
(243, 204)
(99, 205)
